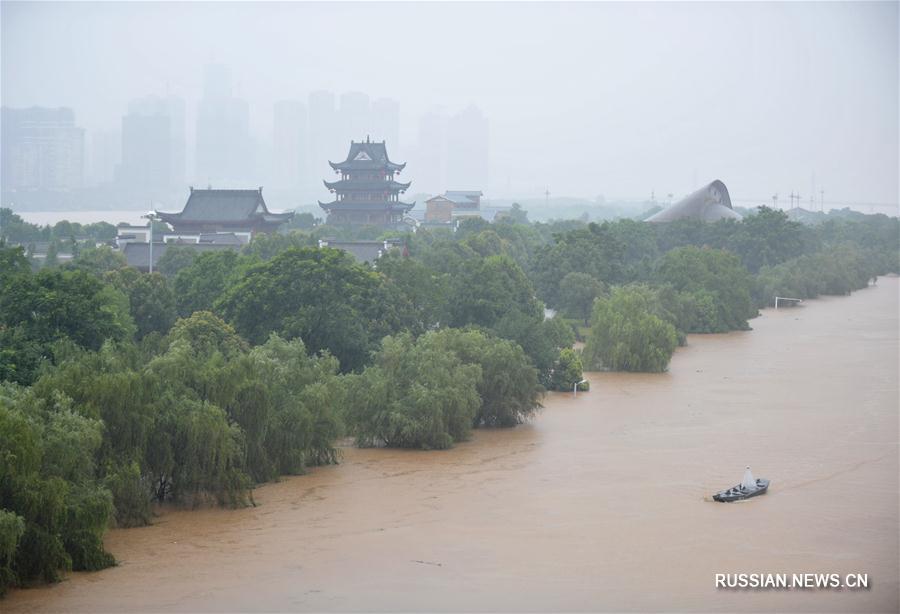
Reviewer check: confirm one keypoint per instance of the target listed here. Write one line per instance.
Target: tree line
(226, 369)
(123, 389)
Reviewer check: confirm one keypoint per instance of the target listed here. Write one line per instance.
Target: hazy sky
(607, 98)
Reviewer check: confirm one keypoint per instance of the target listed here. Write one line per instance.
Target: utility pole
(151, 217)
(812, 194)
(547, 196)
(822, 201)
(775, 200)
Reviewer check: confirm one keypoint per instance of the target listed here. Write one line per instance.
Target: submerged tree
(718, 288)
(416, 395)
(627, 336)
(508, 387)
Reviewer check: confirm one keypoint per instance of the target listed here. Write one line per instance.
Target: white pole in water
(575, 387)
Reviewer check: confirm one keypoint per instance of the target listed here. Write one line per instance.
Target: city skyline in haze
(586, 99)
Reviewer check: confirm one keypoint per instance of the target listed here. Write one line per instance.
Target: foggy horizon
(610, 99)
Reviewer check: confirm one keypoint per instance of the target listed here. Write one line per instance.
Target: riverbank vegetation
(120, 390)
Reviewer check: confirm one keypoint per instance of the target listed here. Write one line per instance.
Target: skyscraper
(105, 156)
(385, 122)
(467, 150)
(290, 141)
(41, 149)
(153, 144)
(223, 139)
(431, 153)
(355, 117)
(324, 142)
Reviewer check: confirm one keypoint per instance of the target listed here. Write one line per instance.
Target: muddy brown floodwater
(601, 503)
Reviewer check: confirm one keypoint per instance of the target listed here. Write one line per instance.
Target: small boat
(749, 487)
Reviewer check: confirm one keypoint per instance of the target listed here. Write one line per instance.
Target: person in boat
(749, 482)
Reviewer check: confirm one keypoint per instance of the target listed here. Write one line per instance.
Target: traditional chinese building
(242, 212)
(366, 192)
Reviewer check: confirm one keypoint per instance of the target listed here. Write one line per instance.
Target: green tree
(205, 333)
(47, 481)
(714, 279)
(419, 293)
(414, 396)
(517, 214)
(151, 301)
(37, 310)
(267, 246)
(319, 295)
(12, 527)
(627, 336)
(51, 259)
(176, 258)
(198, 286)
(509, 388)
(567, 371)
(595, 250)
(484, 290)
(97, 260)
(766, 238)
(577, 292)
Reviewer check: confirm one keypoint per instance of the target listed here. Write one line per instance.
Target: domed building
(710, 203)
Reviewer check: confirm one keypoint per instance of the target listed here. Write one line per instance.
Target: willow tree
(509, 388)
(626, 335)
(416, 395)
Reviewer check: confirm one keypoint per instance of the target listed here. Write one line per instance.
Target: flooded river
(601, 503)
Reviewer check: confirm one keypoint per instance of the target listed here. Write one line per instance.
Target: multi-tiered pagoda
(366, 193)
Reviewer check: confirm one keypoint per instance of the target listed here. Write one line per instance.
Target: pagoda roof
(349, 205)
(367, 185)
(364, 156)
(225, 206)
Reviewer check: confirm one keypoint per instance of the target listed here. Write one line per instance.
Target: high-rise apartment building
(153, 144)
(324, 140)
(42, 149)
(467, 150)
(385, 122)
(224, 149)
(105, 156)
(431, 152)
(291, 142)
(355, 117)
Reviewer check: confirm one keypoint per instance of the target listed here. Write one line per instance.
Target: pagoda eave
(343, 205)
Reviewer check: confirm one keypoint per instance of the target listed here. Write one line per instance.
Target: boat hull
(738, 493)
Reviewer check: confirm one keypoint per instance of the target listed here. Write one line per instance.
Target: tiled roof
(224, 206)
(352, 205)
(366, 185)
(464, 198)
(367, 156)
